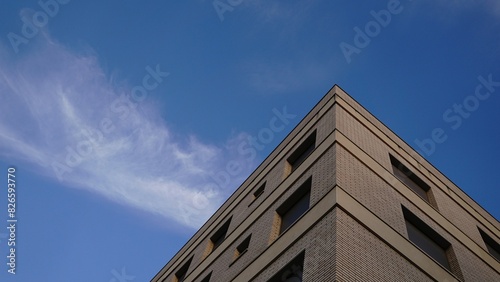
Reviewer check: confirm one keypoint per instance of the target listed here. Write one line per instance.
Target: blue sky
(128, 122)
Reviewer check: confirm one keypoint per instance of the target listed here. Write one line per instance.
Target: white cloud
(62, 113)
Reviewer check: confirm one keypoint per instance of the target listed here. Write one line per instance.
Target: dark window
(492, 246)
(303, 151)
(207, 278)
(243, 247)
(259, 191)
(292, 272)
(295, 206)
(181, 273)
(410, 179)
(220, 234)
(426, 238)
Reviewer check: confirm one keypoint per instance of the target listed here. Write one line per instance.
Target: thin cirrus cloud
(61, 113)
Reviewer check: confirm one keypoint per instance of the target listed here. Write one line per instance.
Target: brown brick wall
(338, 247)
(381, 199)
(427, 168)
(379, 151)
(471, 267)
(361, 136)
(369, 189)
(323, 177)
(362, 256)
(319, 261)
(326, 176)
(323, 180)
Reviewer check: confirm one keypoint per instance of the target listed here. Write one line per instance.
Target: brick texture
(362, 256)
(338, 247)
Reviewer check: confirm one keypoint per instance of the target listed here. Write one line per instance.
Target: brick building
(343, 198)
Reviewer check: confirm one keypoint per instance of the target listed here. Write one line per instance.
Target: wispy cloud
(62, 113)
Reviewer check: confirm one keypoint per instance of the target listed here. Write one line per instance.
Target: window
(207, 278)
(220, 235)
(492, 246)
(243, 247)
(181, 273)
(292, 272)
(410, 179)
(295, 206)
(426, 238)
(302, 152)
(259, 191)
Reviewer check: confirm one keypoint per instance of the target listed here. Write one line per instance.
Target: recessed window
(259, 191)
(295, 206)
(492, 246)
(302, 152)
(410, 179)
(292, 272)
(220, 235)
(242, 247)
(207, 278)
(426, 238)
(180, 275)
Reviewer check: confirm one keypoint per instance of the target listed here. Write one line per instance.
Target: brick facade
(354, 229)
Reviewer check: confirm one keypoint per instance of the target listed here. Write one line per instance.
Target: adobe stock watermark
(456, 114)
(248, 149)
(223, 6)
(362, 37)
(121, 276)
(121, 107)
(39, 19)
